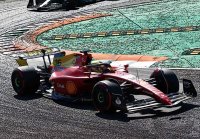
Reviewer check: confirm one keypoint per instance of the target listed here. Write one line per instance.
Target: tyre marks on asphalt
(6, 41)
(17, 34)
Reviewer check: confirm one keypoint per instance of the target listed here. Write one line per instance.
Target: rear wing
(53, 56)
(22, 62)
(22, 58)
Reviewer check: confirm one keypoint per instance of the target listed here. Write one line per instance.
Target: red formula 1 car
(110, 89)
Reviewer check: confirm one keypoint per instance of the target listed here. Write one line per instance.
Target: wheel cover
(101, 97)
(18, 82)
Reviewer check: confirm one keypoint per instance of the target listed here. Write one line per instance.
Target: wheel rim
(18, 83)
(100, 97)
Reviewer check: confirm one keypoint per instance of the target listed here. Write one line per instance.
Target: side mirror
(43, 52)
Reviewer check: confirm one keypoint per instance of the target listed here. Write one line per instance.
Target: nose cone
(165, 100)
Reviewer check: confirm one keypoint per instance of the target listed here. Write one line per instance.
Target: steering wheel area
(100, 68)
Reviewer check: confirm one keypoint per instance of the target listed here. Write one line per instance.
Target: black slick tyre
(25, 80)
(166, 80)
(102, 96)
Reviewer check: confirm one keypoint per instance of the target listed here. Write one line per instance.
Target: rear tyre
(25, 80)
(102, 96)
(166, 80)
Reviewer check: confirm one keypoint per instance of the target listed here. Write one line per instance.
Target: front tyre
(166, 80)
(104, 96)
(25, 80)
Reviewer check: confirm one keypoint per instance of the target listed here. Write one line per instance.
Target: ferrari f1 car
(109, 88)
(48, 5)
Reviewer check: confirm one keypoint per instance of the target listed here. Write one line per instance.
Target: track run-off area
(40, 117)
(162, 28)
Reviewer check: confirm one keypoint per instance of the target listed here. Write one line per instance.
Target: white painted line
(41, 24)
(31, 26)
(23, 29)
(7, 46)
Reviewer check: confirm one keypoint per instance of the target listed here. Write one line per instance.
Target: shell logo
(71, 88)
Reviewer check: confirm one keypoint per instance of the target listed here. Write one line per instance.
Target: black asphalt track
(40, 117)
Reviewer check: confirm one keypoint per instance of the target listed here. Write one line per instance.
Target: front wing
(176, 98)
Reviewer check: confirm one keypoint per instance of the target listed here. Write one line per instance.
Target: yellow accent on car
(66, 61)
(21, 62)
